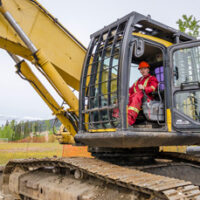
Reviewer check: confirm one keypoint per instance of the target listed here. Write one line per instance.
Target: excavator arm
(29, 31)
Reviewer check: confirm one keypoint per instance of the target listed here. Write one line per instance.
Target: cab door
(184, 62)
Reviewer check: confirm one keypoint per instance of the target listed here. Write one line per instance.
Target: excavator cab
(111, 67)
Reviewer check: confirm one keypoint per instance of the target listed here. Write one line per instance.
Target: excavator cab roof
(146, 25)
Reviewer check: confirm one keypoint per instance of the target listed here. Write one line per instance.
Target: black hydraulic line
(55, 121)
(67, 115)
(31, 82)
(71, 117)
(17, 60)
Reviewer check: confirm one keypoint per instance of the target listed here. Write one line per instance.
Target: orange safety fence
(75, 151)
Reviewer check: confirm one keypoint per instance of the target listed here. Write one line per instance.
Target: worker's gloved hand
(141, 87)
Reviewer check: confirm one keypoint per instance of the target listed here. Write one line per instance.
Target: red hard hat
(143, 64)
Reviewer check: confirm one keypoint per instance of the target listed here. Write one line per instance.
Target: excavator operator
(144, 85)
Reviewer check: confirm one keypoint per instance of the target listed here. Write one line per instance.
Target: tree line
(13, 130)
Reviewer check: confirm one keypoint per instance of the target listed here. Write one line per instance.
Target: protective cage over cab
(111, 67)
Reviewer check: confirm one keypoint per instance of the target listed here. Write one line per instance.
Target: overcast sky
(81, 18)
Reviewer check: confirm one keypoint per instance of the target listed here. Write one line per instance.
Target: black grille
(100, 80)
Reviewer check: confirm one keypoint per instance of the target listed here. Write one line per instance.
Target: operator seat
(154, 110)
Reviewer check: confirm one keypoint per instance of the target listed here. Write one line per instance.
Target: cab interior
(153, 54)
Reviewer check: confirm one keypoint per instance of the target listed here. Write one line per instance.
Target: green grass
(10, 151)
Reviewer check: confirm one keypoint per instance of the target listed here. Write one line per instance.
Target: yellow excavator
(127, 162)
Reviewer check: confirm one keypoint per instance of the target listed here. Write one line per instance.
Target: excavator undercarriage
(169, 176)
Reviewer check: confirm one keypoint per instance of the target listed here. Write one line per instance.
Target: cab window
(186, 70)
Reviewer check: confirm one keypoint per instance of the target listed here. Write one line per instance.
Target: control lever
(145, 98)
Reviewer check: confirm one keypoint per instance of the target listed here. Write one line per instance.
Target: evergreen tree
(18, 132)
(47, 125)
(26, 129)
(34, 128)
(7, 123)
(39, 127)
(12, 124)
(7, 132)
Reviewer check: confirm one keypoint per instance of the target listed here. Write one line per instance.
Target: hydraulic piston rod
(18, 29)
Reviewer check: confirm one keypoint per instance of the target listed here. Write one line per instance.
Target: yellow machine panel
(64, 51)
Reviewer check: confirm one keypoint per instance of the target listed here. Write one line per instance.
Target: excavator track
(153, 186)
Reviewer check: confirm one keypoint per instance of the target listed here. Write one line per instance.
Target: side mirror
(139, 47)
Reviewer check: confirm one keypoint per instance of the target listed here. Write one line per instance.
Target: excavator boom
(29, 31)
(61, 48)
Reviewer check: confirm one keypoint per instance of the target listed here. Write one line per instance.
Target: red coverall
(135, 96)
